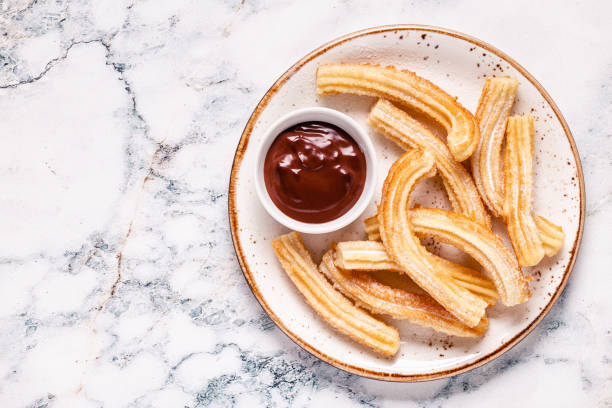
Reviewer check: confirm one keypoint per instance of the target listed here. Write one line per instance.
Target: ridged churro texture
(408, 133)
(552, 235)
(331, 305)
(518, 185)
(407, 89)
(371, 228)
(480, 243)
(405, 248)
(373, 295)
(365, 256)
(492, 114)
(372, 256)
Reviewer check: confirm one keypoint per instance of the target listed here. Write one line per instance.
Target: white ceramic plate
(457, 63)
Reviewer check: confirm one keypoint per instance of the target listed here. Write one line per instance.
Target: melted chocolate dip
(314, 172)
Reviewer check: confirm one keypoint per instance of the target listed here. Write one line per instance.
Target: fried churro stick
(479, 242)
(408, 133)
(372, 256)
(421, 309)
(405, 248)
(332, 306)
(486, 247)
(492, 114)
(365, 256)
(518, 181)
(407, 89)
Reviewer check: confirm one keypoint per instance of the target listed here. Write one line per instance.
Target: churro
(492, 114)
(365, 256)
(371, 294)
(405, 248)
(480, 243)
(518, 186)
(407, 89)
(331, 305)
(372, 256)
(484, 246)
(408, 133)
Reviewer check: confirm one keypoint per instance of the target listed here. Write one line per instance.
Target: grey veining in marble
(118, 281)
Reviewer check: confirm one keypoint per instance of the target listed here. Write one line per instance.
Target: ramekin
(350, 126)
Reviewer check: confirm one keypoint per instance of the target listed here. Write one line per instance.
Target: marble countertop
(118, 281)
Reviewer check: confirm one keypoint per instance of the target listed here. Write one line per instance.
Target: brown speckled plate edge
(242, 145)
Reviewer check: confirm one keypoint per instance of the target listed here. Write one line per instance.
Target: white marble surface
(118, 281)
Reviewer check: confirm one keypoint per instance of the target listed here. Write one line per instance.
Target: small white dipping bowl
(354, 130)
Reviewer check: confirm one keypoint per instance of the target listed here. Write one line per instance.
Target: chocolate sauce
(314, 172)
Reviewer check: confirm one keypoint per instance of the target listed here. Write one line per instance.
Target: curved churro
(405, 248)
(372, 230)
(408, 89)
(479, 242)
(372, 256)
(492, 114)
(407, 132)
(518, 183)
(332, 306)
(421, 309)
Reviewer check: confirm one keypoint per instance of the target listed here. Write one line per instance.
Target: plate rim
(243, 144)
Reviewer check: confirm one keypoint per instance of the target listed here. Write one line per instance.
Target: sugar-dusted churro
(518, 187)
(408, 133)
(407, 89)
(405, 248)
(484, 246)
(379, 298)
(492, 114)
(372, 256)
(331, 305)
(479, 242)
